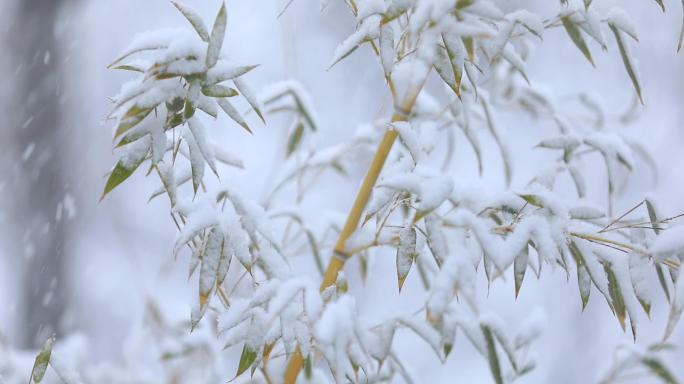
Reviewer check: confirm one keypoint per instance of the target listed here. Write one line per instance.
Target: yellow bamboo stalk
(340, 255)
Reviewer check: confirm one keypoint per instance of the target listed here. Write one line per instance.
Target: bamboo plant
(443, 230)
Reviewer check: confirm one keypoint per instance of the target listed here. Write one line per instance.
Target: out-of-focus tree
(38, 180)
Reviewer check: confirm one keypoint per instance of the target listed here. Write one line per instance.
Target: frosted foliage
(256, 258)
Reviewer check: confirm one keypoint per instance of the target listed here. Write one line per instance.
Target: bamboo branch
(340, 256)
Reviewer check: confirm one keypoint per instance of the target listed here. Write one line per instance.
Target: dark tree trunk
(39, 185)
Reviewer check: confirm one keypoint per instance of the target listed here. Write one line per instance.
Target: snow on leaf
(218, 90)
(133, 116)
(585, 254)
(211, 256)
(529, 20)
(218, 32)
(668, 242)
(196, 160)
(41, 362)
(578, 179)
(406, 254)
(425, 332)
(652, 215)
(492, 357)
(576, 37)
(194, 18)
(567, 142)
(519, 268)
(198, 217)
(586, 211)
(627, 59)
(150, 41)
(168, 179)
(247, 358)
(225, 157)
(233, 114)
(224, 261)
(387, 54)
(207, 150)
(410, 139)
(368, 29)
(592, 27)
(134, 156)
(252, 100)
(501, 39)
(619, 19)
(639, 268)
(677, 305)
(224, 70)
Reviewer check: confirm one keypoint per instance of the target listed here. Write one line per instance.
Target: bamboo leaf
(660, 269)
(677, 305)
(627, 60)
(122, 171)
(247, 358)
(210, 256)
(218, 32)
(387, 53)
(406, 254)
(194, 18)
(533, 199)
(130, 67)
(618, 301)
(131, 118)
(249, 96)
(660, 3)
(233, 114)
(196, 161)
(218, 90)
(659, 369)
(42, 360)
(583, 275)
(295, 138)
(576, 37)
(519, 268)
(652, 215)
(494, 365)
(456, 59)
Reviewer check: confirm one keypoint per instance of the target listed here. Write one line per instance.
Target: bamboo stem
(340, 255)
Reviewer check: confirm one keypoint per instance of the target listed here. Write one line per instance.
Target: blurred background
(70, 264)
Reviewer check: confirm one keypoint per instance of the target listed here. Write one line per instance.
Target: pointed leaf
(659, 369)
(194, 18)
(618, 301)
(122, 171)
(494, 365)
(247, 93)
(218, 90)
(576, 37)
(42, 360)
(295, 138)
(131, 118)
(218, 32)
(519, 268)
(233, 114)
(406, 254)
(627, 60)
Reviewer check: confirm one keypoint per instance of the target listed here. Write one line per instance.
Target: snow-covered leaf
(218, 32)
(41, 362)
(194, 18)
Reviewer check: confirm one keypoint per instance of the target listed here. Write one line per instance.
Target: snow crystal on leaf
(621, 20)
(669, 242)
